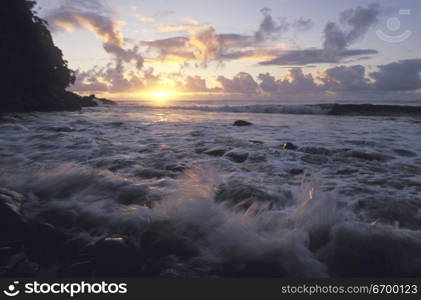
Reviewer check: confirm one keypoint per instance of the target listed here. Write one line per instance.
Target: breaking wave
(187, 233)
(313, 109)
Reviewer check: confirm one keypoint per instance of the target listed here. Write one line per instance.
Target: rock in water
(237, 156)
(12, 222)
(242, 123)
(115, 257)
(216, 151)
(362, 250)
(289, 146)
(295, 171)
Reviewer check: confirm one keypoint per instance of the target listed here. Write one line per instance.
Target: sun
(161, 96)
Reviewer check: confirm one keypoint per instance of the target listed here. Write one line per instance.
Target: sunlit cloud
(70, 16)
(191, 44)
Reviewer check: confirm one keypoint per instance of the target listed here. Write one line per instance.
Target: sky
(240, 49)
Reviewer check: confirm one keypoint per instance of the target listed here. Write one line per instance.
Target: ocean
(199, 197)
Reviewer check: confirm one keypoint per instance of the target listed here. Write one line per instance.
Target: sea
(299, 193)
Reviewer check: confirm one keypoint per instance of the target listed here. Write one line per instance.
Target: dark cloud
(268, 83)
(403, 75)
(344, 78)
(269, 28)
(353, 25)
(303, 24)
(312, 56)
(338, 37)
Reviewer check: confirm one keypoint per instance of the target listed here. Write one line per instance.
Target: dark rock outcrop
(242, 123)
(115, 256)
(12, 222)
(216, 151)
(289, 146)
(237, 156)
(371, 110)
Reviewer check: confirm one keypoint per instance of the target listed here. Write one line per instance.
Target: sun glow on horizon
(158, 97)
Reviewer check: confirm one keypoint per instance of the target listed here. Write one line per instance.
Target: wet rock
(175, 168)
(9, 118)
(256, 142)
(289, 146)
(372, 110)
(401, 213)
(405, 153)
(150, 173)
(116, 123)
(257, 157)
(158, 245)
(261, 266)
(240, 197)
(237, 156)
(197, 133)
(78, 270)
(216, 151)
(362, 250)
(295, 171)
(133, 194)
(242, 123)
(92, 100)
(12, 222)
(115, 256)
(47, 244)
(8, 249)
(63, 129)
(20, 265)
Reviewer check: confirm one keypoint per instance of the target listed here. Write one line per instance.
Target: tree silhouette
(34, 74)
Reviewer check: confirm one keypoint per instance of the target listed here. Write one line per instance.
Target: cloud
(338, 37)
(303, 24)
(313, 56)
(242, 83)
(203, 44)
(269, 28)
(400, 78)
(354, 24)
(345, 78)
(115, 78)
(149, 19)
(192, 84)
(294, 82)
(143, 18)
(403, 75)
(89, 81)
(268, 83)
(93, 16)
